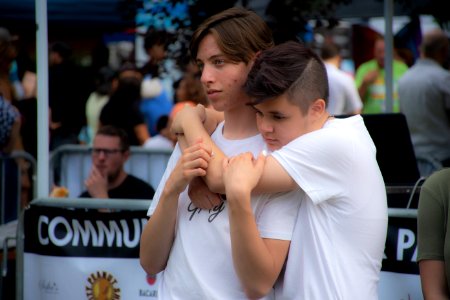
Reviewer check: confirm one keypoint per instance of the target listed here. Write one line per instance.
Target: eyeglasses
(106, 152)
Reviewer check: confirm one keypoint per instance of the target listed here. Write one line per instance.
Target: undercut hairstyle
(112, 131)
(290, 68)
(239, 33)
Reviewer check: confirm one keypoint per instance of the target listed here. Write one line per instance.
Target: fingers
(260, 161)
(199, 154)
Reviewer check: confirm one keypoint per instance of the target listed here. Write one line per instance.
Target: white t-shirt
(339, 237)
(200, 264)
(344, 97)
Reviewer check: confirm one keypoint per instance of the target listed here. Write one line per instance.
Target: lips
(270, 140)
(212, 93)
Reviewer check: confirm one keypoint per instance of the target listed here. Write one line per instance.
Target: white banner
(398, 286)
(79, 254)
(76, 278)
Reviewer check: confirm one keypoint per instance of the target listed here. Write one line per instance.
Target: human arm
(14, 140)
(431, 233)
(433, 279)
(190, 122)
(141, 132)
(368, 79)
(159, 232)
(257, 261)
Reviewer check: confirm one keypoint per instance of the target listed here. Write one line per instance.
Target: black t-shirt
(131, 188)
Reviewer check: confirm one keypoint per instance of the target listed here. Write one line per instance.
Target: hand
(201, 196)
(187, 113)
(192, 163)
(241, 173)
(97, 184)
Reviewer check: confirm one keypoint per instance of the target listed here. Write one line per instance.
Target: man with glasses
(108, 178)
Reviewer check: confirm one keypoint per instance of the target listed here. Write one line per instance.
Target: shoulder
(400, 65)
(366, 66)
(138, 187)
(137, 181)
(438, 179)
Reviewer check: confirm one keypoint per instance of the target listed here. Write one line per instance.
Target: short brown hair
(290, 68)
(240, 33)
(113, 131)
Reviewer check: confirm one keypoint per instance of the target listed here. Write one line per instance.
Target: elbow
(150, 267)
(215, 184)
(257, 291)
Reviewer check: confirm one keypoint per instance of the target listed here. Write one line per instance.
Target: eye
(218, 62)
(200, 66)
(278, 117)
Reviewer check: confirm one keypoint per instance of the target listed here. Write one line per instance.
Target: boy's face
(223, 80)
(279, 121)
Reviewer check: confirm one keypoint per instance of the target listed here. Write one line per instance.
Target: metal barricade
(10, 183)
(10, 194)
(70, 166)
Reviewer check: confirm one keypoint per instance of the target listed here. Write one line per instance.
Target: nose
(207, 75)
(263, 125)
(101, 155)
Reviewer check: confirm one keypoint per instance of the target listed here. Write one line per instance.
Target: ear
(318, 108)
(126, 155)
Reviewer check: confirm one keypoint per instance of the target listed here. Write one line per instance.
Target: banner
(400, 278)
(80, 254)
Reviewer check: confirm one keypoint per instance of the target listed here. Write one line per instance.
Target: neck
(240, 123)
(335, 61)
(118, 180)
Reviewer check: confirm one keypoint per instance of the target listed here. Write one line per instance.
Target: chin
(273, 147)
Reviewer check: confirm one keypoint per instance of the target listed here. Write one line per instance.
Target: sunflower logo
(102, 286)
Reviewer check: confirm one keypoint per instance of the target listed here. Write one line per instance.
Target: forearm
(193, 131)
(433, 280)
(256, 266)
(158, 234)
(362, 90)
(142, 133)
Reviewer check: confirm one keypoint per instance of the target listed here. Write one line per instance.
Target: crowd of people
(264, 182)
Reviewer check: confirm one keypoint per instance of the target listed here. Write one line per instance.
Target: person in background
(108, 179)
(433, 231)
(67, 96)
(424, 92)
(344, 98)
(11, 123)
(122, 108)
(156, 97)
(165, 139)
(97, 100)
(190, 88)
(9, 115)
(370, 80)
(7, 56)
(9, 127)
